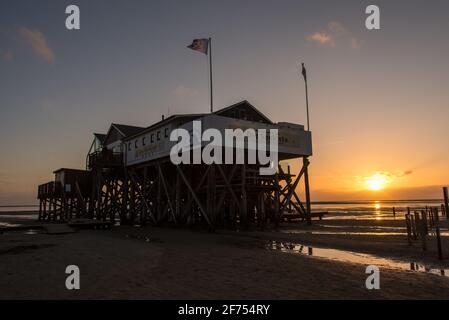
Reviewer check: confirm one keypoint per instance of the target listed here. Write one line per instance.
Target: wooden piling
(446, 201)
(440, 251)
(430, 218)
(307, 190)
(409, 228)
(425, 222)
(289, 204)
(215, 196)
(436, 216)
(423, 228)
(416, 224)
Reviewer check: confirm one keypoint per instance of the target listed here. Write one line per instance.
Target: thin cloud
(38, 44)
(387, 176)
(321, 37)
(334, 34)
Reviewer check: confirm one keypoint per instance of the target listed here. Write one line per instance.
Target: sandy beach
(170, 263)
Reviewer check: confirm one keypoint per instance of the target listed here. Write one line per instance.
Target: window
(129, 146)
(166, 132)
(158, 136)
(143, 141)
(135, 144)
(152, 138)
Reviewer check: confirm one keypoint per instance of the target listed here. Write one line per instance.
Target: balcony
(50, 189)
(105, 159)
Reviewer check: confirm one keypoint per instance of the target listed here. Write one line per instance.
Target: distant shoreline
(313, 202)
(369, 201)
(19, 206)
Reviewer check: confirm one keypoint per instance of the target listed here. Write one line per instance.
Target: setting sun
(377, 181)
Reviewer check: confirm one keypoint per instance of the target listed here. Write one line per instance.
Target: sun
(377, 181)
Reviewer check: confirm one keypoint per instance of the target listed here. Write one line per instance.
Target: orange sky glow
(378, 99)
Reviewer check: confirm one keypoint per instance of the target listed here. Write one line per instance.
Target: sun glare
(376, 182)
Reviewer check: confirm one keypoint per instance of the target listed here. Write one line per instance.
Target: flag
(201, 45)
(304, 72)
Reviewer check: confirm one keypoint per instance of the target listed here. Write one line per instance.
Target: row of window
(156, 135)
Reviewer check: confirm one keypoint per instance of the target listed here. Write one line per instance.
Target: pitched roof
(100, 136)
(71, 170)
(127, 130)
(243, 103)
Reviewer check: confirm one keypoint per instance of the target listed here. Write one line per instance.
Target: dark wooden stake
(440, 251)
(409, 229)
(446, 202)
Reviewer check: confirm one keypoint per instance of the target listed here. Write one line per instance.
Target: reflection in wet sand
(22, 216)
(353, 233)
(6, 224)
(353, 257)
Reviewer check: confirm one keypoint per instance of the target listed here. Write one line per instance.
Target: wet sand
(168, 263)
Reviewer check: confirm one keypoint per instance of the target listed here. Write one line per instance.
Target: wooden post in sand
(424, 220)
(289, 204)
(416, 224)
(436, 217)
(409, 228)
(394, 212)
(440, 251)
(306, 163)
(423, 231)
(446, 202)
(430, 217)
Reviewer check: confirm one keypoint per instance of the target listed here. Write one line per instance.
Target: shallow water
(355, 233)
(19, 208)
(33, 231)
(345, 233)
(21, 216)
(372, 210)
(353, 257)
(6, 224)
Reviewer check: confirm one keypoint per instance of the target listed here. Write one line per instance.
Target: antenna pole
(210, 77)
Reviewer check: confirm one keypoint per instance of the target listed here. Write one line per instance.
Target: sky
(378, 98)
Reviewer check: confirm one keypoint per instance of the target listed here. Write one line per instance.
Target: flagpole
(304, 73)
(307, 106)
(210, 77)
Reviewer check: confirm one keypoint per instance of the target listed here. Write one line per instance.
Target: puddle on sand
(33, 231)
(345, 233)
(371, 231)
(352, 257)
(20, 216)
(6, 224)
